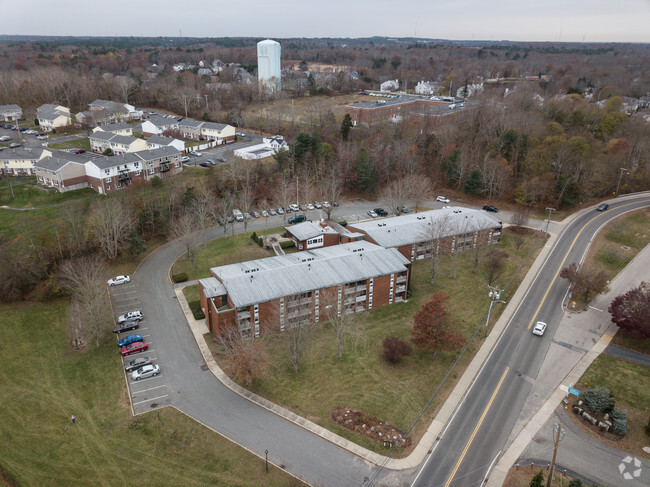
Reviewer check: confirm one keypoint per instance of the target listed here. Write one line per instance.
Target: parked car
(296, 218)
(13, 145)
(381, 212)
(145, 371)
(204, 164)
(540, 328)
(126, 326)
(240, 134)
(335, 203)
(5, 138)
(280, 211)
(136, 363)
(197, 154)
(221, 159)
(493, 209)
(135, 315)
(42, 136)
(603, 207)
(294, 207)
(79, 151)
(310, 206)
(318, 205)
(442, 199)
(134, 347)
(239, 216)
(247, 216)
(404, 209)
(302, 207)
(265, 213)
(31, 132)
(256, 214)
(117, 280)
(211, 162)
(185, 159)
(326, 204)
(372, 213)
(272, 212)
(129, 339)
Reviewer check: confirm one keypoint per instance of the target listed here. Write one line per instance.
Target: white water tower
(268, 66)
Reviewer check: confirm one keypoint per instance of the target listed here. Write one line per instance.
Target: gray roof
(307, 230)
(131, 157)
(55, 163)
(162, 121)
(188, 122)
(111, 127)
(21, 153)
(411, 228)
(212, 287)
(214, 125)
(263, 280)
(50, 112)
(111, 137)
(111, 106)
(12, 107)
(160, 140)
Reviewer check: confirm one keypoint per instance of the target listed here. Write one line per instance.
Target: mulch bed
(370, 427)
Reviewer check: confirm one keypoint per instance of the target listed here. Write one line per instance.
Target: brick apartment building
(450, 229)
(270, 294)
(311, 235)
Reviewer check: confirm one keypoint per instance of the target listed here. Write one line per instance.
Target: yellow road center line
(560, 267)
(478, 425)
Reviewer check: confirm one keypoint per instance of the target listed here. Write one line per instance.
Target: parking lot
(150, 393)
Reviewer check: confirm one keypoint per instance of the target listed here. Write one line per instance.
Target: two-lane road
(485, 418)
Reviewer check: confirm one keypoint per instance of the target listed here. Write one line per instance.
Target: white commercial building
(268, 66)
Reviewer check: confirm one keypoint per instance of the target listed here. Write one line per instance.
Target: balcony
(243, 315)
(400, 279)
(164, 166)
(360, 299)
(400, 289)
(124, 176)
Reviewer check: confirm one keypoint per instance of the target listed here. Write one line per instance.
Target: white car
(145, 371)
(185, 159)
(135, 315)
(294, 207)
(442, 199)
(31, 132)
(117, 280)
(197, 154)
(310, 206)
(540, 328)
(5, 138)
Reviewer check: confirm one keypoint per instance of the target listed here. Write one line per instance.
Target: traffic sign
(573, 391)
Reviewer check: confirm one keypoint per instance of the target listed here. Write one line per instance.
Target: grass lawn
(362, 380)
(43, 382)
(194, 301)
(521, 477)
(222, 251)
(83, 143)
(629, 382)
(28, 196)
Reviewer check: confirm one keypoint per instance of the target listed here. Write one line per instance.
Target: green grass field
(362, 379)
(629, 383)
(28, 196)
(43, 382)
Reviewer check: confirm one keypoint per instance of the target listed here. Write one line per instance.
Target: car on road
(372, 213)
(491, 208)
(221, 159)
(145, 372)
(129, 339)
(79, 151)
(380, 212)
(126, 326)
(296, 219)
(134, 347)
(603, 207)
(135, 315)
(540, 328)
(240, 134)
(117, 280)
(136, 363)
(442, 199)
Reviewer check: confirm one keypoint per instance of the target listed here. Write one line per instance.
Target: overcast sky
(516, 20)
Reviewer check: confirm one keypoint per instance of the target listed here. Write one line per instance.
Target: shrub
(285, 244)
(395, 349)
(254, 237)
(537, 480)
(599, 401)
(619, 421)
(156, 182)
(180, 277)
(576, 483)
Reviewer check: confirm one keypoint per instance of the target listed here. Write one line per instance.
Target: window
(107, 171)
(108, 180)
(151, 171)
(137, 173)
(177, 164)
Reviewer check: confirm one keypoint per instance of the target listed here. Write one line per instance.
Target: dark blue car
(129, 339)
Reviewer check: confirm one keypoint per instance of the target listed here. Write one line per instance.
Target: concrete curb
(435, 428)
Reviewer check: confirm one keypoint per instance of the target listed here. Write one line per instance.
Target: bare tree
(395, 194)
(430, 238)
(224, 207)
(519, 220)
(331, 187)
(85, 278)
(110, 224)
(284, 191)
(300, 326)
(342, 324)
(185, 228)
(245, 194)
(494, 265)
(420, 189)
(246, 357)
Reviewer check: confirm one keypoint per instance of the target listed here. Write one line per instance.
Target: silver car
(136, 363)
(145, 372)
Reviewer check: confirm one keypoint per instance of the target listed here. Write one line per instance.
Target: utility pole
(620, 176)
(550, 210)
(494, 294)
(206, 102)
(557, 443)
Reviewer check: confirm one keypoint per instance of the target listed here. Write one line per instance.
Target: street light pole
(494, 294)
(550, 210)
(620, 176)
(266, 453)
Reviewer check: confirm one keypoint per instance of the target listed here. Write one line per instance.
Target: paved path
(627, 354)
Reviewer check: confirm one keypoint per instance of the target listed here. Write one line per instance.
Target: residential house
(644, 102)
(390, 85)
(107, 174)
(275, 293)
(268, 147)
(190, 129)
(158, 141)
(220, 132)
(21, 161)
(469, 90)
(10, 113)
(158, 126)
(218, 65)
(311, 235)
(427, 88)
(52, 117)
(115, 128)
(115, 111)
(416, 235)
(119, 144)
(63, 170)
(204, 72)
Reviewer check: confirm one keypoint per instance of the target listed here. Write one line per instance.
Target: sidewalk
(435, 428)
(573, 339)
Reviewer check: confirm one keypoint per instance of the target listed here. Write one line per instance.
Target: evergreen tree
(537, 480)
(346, 125)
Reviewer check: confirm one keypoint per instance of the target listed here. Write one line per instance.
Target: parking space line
(145, 390)
(152, 399)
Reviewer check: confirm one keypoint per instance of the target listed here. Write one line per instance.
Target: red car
(134, 347)
(80, 151)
